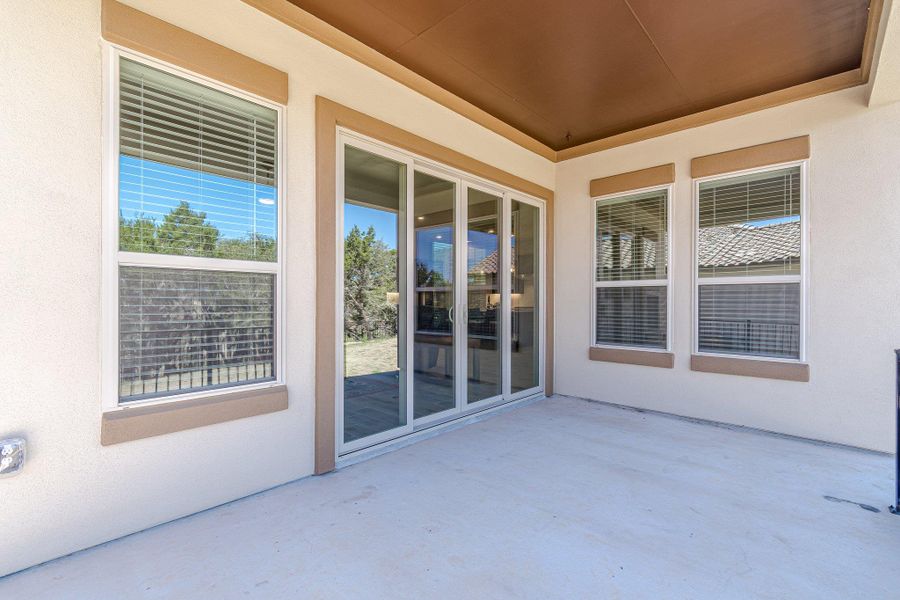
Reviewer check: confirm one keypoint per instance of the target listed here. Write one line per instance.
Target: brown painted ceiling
(572, 71)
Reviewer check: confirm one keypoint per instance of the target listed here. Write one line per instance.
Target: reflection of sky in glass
(764, 222)
(384, 222)
(235, 207)
(434, 250)
(481, 245)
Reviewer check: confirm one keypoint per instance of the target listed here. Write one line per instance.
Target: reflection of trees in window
(179, 323)
(427, 277)
(187, 232)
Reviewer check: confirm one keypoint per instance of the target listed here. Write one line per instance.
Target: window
(631, 274)
(749, 252)
(197, 267)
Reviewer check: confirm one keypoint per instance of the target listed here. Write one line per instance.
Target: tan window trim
(633, 180)
(762, 155)
(750, 367)
(141, 422)
(627, 356)
(154, 37)
(330, 115)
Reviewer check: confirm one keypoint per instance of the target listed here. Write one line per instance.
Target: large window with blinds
(631, 270)
(749, 264)
(197, 268)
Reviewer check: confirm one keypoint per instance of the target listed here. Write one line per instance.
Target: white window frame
(113, 258)
(801, 278)
(670, 328)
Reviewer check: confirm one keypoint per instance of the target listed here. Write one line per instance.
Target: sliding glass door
(375, 300)
(484, 298)
(434, 346)
(441, 294)
(525, 296)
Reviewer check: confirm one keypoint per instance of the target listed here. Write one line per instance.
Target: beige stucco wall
(74, 493)
(854, 282)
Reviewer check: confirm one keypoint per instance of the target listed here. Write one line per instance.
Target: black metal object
(895, 508)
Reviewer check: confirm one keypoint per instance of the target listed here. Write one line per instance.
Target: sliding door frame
(408, 272)
(541, 314)
(333, 119)
(449, 176)
(503, 267)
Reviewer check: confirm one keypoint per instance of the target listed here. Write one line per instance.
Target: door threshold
(351, 458)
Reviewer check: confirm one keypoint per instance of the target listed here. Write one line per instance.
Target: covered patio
(559, 498)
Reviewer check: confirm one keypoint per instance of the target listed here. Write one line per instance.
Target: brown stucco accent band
(633, 180)
(762, 155)
(140, 422)
(154, 37)
(767, 369)
(665, 360)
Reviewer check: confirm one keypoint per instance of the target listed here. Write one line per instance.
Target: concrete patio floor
(562, 498)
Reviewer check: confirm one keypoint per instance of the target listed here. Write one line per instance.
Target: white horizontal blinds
(197, 178)
(183, 330)
(631, 270)
(756, 319)
(750, 226)
(631, 237)
(197, 169)
(632, 316)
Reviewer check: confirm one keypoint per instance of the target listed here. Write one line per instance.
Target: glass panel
(631, 237)
(433, 352)
(524, 295)
(750, 225)
(374, 291)
(197, 169)
(632, 316)
(757, 319)
(184, 330)
(483, 296)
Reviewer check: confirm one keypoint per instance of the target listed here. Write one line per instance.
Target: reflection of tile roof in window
(732, 245)
(625, 248)
(489, 264)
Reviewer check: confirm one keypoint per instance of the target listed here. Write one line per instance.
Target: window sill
(751, 367)
(647, 358)
(141, 422)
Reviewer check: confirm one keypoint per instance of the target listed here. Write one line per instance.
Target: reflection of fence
(483, 322)
(747, 336)
(432, 319)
